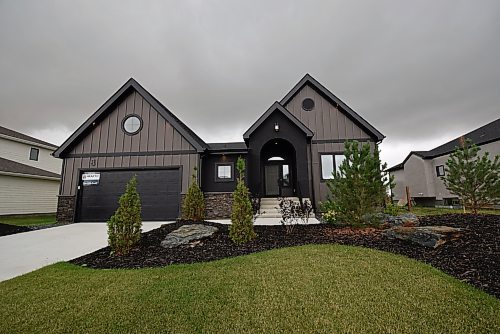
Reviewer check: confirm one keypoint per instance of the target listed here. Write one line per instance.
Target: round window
(308, 104)
(132, 124)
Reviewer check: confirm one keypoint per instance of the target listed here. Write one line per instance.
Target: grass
(429, 211)
(316, 288)
(28, 220)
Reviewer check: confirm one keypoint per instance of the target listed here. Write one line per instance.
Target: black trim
(131, 84)
(34, 154)
(216, 176)
(125, 119)
(334, 154)
(277, 106)
(126, 154)
(337, 141)
(322, 90)
(438, 170)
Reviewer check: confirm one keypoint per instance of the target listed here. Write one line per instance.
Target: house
(291, 150)
(29, 174)
(421, 171)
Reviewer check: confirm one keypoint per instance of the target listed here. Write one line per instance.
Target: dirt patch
(473, 258)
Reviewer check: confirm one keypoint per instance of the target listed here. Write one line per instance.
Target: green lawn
(28, 220)
(317, 288)
(428, 211)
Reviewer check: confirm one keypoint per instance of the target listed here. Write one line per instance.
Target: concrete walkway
(263, 221)
(24, 252)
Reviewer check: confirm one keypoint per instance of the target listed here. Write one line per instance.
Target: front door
(272, 179)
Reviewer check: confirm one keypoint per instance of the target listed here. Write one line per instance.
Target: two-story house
(29, 174)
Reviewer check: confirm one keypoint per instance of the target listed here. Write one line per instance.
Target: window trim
(138, 130)
(34, 149)
(336, 153)
(216, 176)
(437, 171)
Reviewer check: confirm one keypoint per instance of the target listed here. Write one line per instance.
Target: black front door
(277, 179)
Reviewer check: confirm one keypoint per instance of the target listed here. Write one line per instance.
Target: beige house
(421, 171)
(29, 174)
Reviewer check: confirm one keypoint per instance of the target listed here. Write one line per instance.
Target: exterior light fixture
(276, 127)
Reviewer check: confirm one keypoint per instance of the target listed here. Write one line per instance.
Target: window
(440, 170)
(286, 175)
(308, 104)
(132, 124)
(223, 172)
(34, 154)
(330, 163)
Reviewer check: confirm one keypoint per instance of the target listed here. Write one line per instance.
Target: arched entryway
(278, 168)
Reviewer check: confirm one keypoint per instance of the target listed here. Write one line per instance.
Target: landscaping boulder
(427, 236)
(188, 233)
(406, 219)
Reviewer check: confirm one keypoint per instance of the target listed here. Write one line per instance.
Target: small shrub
(193, 207)
(393, 210)
(241, 228)
(124, 227)
(294, 213)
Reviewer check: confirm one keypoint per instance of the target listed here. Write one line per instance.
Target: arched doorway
(278, 168)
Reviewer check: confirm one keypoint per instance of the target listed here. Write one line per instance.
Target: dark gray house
(290, 151)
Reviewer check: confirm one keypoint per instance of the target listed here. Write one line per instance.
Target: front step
(269, 207)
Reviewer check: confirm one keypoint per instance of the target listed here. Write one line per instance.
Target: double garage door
(159, 190)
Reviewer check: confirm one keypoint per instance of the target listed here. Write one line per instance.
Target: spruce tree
(193, 207)
(475, 179)
(124, 227)
(241, 228)
(358, 189)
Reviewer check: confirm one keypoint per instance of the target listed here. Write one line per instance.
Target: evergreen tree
(475, 179)
(358, 189)
(241, 229)
(193, 207)
(124, 227)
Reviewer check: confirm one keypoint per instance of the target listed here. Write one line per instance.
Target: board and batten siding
(331, 128)
(106, 146)
(25, 195)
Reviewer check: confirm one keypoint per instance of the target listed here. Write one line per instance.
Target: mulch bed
(473, 258)
(6, 229)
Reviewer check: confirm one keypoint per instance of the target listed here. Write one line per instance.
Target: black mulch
(6, 229)
(473, 258)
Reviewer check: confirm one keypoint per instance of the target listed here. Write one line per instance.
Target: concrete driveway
(24, 252)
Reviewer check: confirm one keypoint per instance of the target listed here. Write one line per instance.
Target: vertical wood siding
(107, 137)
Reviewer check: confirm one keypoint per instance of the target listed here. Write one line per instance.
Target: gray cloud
(419, 71)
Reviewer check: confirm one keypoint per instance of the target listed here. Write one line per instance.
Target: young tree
(124, 227)
(193, 207)
(241, 228)
(358, 189)
(475, 179)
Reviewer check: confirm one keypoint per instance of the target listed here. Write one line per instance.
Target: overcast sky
(422, 72)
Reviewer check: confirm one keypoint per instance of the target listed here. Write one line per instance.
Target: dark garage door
(159, 191)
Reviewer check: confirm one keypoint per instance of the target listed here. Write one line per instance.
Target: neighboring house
(421, 171)
(290, 151)
(29, 174)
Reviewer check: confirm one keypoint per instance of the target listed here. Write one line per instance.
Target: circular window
(308, 104)
(132, 124)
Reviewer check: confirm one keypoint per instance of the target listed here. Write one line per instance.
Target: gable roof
(14, 134)
(277, 106)
(14, 167)
(485, 134)
(322, 90)
(108, 106)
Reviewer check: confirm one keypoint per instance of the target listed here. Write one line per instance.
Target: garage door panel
(159, 191)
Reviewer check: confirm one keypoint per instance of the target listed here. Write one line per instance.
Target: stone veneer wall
(218, 205)
(65, 209)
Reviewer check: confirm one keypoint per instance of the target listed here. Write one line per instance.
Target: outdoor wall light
(276, 127)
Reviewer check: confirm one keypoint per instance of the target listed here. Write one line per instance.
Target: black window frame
(334, 154)
(34, 149)
(438, 169)
(217, 165)
(141, 124)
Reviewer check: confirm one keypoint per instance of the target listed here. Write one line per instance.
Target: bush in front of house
(358, 189)
(241, 228)
(475, 179)
(294, 213)
(193, 207)
(124, 227)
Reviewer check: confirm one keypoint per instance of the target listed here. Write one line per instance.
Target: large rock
(428, 236)
(186, 234)
(406, 219)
